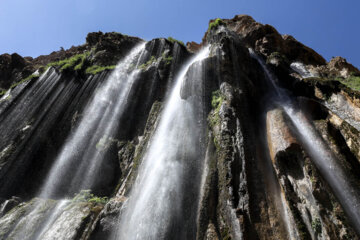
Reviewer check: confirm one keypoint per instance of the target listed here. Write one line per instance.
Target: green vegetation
(225, 233)
(3, 91)
(217, 99)
(216, 102)
(95, 69)
(75, 62)
(173, 40)
(215, 24)
(31, 77)
(313, 180)
(352, 82)
(87, 196)
(316, 225)
(148, 63)
(167, 59)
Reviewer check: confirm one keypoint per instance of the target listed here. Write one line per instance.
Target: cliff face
(247, 135)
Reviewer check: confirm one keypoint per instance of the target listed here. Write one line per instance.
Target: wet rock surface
(259, 179)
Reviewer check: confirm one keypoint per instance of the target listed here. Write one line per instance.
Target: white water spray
(301, 69)
(326, 162)
(156, 197)
(99, 120)
(328, 165)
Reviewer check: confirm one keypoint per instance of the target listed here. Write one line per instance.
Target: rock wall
(260, 182)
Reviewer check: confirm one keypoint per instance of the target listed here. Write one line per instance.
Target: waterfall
(81, 158)
(46, 228)
(346, 192)
(280, 95)
(301, 69)
(95, 131)
(156, 208)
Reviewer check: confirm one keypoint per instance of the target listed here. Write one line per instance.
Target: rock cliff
(266, 144)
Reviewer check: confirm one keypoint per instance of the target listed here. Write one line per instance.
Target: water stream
(343, 188)
(81, 159)
(94, 132)
(157, 207)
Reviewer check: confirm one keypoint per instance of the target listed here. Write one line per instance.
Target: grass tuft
(352, 82)
(168, 59)
(148, 63)
(31, 77)
(215, 24)
(95, 69)
(216, 102)
(173, 40)
(316, 225)
(75, 62)
(87, 196)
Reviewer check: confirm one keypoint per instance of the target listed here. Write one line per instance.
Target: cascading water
(328, 165)
(156, 207)
(301, 69)
(94, 132)
(51, 219)
(22, 122)
(279, 95)
(100, 120)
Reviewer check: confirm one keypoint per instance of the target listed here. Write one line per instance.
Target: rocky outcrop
(310, 203)
(266, 40)
(260, 180)
(49, 219)
(193, 47)
(340, 65)
(13, 68)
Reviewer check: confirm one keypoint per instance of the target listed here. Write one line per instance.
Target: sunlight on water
(98, 121)
(156, 197)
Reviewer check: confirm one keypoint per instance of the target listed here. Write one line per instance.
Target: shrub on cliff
(215, 24)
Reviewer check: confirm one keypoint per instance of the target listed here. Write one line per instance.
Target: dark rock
(256, 165)
(266, 40)
(10, 69)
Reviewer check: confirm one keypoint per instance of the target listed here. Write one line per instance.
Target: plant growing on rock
(75, 62)
(95, 69)
(29, 78)
(216, 101)
(167, 59)
(173, 40)
(148, 63)
(352, 82)
(316, 225)
(215, 24)
(87, 196)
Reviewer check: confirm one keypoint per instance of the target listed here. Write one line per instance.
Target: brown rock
(266, 40)
(193, 46)
(297, 51)
(342, 67)
(278, 132)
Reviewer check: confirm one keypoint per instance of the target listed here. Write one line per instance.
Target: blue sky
(36, 27)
